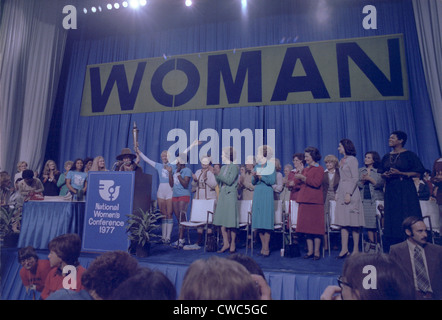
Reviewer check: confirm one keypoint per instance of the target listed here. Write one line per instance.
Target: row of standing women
(354, 189)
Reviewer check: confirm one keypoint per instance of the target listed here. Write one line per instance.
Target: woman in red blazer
(311, 220)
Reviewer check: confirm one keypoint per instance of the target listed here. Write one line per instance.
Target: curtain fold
(32, 42)
(427, 14)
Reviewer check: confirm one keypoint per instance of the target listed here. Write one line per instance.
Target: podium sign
(109, 200)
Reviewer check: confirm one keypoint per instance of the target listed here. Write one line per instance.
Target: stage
(289, 278)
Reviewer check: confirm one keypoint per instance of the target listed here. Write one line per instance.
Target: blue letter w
(118, 75)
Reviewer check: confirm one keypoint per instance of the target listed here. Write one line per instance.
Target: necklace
(394, 158)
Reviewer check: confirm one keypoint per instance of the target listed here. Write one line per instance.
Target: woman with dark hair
(311, 219)
(349, 211)
(34, 271)
(371, 185)
(400, 199)
(374, 276)
(76, 180)
(294, 184)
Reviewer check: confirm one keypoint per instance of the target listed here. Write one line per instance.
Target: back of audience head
(249, 263)
(391, 281)
(146, 284)
(67, 247)
(218, 278)
(107, 272)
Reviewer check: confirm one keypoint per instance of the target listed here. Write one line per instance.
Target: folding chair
(245, 219)
(278, 226)
(430, 216)
(379, 221)
(293, 217)
(201, 215)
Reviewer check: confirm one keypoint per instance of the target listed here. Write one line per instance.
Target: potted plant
(9, 217)
(141, 227)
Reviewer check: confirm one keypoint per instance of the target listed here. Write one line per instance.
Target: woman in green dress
(226, 213)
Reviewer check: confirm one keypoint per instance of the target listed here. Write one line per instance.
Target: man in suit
(421, 260)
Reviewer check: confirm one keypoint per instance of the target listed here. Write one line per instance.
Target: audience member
(76, 181)
(421, 260)
(98, 164)
(400, 199)
(371, 185)
(226, 212)
(263, 209)
(181, 183)
(102, 278)
(6, 188)
(49, 178)
(29, 187)
(21, 166)
(356, 282)
(311, 220)
(146, 284)
(349, 212)
(61, 183)
(248, 262)
(436, 178)
(222, 279)
(34, 270)
(64, 250)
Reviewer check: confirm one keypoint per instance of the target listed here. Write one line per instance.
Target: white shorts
(164, 191)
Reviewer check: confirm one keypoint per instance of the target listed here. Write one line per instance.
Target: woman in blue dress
(263, 212)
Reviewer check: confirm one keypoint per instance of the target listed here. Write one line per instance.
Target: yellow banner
(370, 68)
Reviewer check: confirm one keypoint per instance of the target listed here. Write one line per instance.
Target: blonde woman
(98, 164)
(49, 178)
(21, 166)
(61, 183)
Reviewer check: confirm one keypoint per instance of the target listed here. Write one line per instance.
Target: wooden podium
(142, 190)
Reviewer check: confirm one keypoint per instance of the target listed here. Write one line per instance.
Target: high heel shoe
(223, 250)
(308, 256)
(345, 255)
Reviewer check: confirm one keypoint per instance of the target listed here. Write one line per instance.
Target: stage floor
(289, 278)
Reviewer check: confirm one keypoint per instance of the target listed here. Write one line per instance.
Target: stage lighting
(99, 8)
(116, 5)
(134, 4)
(85, 10)
(188, 3)
(143, 2)
(244, 4)
(93, 9)
(125, 4)
(109, 6)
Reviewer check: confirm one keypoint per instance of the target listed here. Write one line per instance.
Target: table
(44, 220)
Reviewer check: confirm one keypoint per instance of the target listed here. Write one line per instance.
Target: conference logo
(108, 191)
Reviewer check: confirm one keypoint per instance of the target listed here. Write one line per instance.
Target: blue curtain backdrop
(368, 124)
